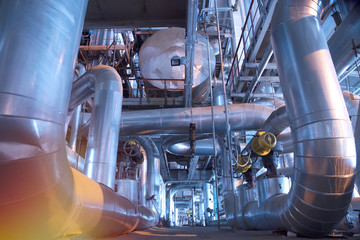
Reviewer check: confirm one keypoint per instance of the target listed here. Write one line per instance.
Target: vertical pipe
(227, 150)
(42, 197)
(75, 118)
(324, 150)
(103, 137)
(190, 50)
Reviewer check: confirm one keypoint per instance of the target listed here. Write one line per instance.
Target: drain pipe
(42, 197)
(322, 134)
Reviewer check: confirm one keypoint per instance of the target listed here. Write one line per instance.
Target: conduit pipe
(177, 120)
(42, 196)
(324, 147)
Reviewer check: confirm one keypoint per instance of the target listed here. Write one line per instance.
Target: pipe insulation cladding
(42, 197)
(324, 149)
(323, 141)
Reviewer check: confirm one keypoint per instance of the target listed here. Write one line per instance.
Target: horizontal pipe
(177, 120)
(202, 147)
(270, 102)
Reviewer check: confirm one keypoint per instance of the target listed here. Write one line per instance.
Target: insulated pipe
(218, 95)
(202, 147)
(357, 144)
(342, 42)
(277, 122)
(323, 141)
(42, 197)
(270, 102)
(151, 184)
(177, 120)
(101, 151)
(75, 118)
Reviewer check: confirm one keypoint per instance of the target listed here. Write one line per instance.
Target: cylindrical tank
(155, 62)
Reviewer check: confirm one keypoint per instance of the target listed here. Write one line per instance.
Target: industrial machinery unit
(117, 116)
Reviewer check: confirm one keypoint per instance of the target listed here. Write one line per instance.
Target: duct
(341, 43)
(320, 194)
(42, 196)
(161, 121)
(202, 147)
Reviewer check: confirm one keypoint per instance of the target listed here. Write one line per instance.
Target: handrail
(235, 69)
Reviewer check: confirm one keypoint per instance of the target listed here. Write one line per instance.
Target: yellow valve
(263, 143)
(242, 164)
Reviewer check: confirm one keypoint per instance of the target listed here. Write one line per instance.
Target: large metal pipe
(323, 141)
(321, 129)
(341, 43)
(277, 122)
(75, 118)
(202, 147)
(101, 151)
(42, 196)
(150, 185)
(270, 102)
(357, 145)
(177, 120)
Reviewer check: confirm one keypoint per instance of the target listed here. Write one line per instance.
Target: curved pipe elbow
(99, 76)
(322, 132)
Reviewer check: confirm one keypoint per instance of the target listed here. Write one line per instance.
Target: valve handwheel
(132, 148)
